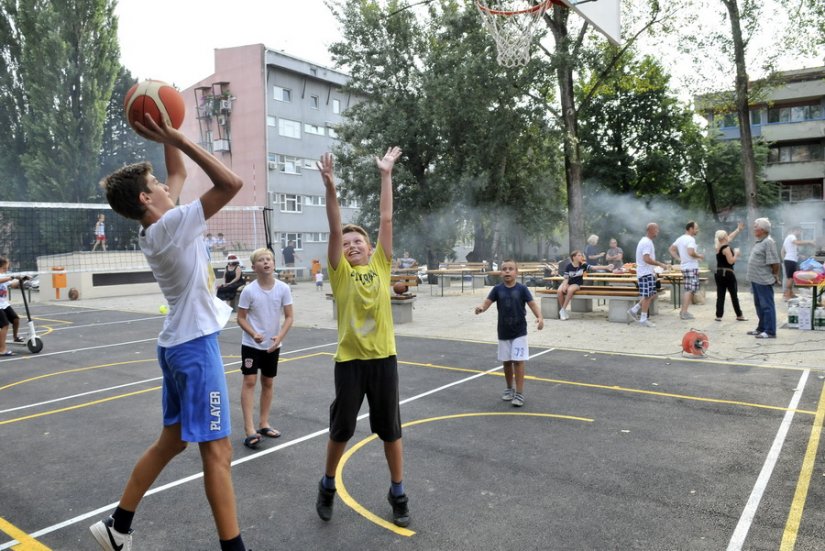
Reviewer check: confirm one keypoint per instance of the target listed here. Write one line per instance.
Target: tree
(12, 105)
(68, 67)
(491, 157)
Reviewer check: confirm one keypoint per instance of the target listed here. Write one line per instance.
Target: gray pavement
(452, 316)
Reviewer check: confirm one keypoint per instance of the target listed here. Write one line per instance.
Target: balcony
(784, 131)
(806, 170)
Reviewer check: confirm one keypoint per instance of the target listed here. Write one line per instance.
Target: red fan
(695, 343)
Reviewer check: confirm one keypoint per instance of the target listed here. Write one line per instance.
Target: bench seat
(618, 299)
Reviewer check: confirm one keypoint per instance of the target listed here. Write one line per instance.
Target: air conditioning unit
(220, 145)
(272, 165)
(226, 105)
(222, 120)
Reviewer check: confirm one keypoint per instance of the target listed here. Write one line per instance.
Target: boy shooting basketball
(365, 362)
(195, 398)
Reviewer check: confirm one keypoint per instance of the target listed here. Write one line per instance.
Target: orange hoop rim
(533, 9)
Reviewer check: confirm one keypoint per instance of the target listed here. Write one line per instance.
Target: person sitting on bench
(573, 274)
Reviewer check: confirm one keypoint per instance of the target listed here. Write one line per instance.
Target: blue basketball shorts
(195, 394)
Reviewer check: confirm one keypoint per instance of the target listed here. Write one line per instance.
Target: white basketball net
(513, 24)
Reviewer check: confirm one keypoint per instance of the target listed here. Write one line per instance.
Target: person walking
(685, 251)
(645, 273)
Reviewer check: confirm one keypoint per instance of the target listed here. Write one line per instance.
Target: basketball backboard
(604, 15)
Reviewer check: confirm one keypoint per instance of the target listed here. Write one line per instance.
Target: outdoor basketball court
(610, 451)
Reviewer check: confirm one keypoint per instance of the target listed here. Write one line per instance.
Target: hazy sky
(174, 40)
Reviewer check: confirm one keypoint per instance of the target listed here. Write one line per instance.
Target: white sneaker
(110, 539)
(563, 315)
(508, 394)
(518, 400)
(686, 316)
(632, 316)
(647, 323)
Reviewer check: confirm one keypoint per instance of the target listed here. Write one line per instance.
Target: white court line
(737, 540)
(125, 385)
(110, 506)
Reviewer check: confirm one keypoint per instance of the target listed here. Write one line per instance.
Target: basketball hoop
(513, 24)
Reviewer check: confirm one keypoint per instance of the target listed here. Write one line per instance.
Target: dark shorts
(378, 381)
(790, 267)
(253, 360)
(7, 316)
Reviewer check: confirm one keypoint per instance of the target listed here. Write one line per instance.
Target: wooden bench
(619, 300)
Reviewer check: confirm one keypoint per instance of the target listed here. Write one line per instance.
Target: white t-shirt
(4, 295)
(176, 253)
(645, 246)
(264, 308)
(791, 250)
(684, 243)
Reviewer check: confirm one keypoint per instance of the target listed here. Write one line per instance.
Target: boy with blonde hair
(365, 362)
(260, 307)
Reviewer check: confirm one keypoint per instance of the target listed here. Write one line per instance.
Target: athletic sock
(122, 520)
(643, 317)
(235, 544)
(397, 488)
(328, 482)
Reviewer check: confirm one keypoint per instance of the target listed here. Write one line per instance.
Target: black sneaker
(400, 511)
(324, 502)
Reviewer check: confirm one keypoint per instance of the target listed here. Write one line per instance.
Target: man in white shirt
(790, 258)
(684, 250)
(645, 264)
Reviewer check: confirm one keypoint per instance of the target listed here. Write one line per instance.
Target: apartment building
(790, 117)
(269, 116)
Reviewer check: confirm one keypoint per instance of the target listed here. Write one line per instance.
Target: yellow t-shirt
(362, 294)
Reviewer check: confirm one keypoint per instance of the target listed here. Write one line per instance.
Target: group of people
(763, 272)
(195, 397)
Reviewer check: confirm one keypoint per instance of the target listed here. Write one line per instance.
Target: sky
(174, 40)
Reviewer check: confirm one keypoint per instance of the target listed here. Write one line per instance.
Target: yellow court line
(27, 543)
(375, 519)
(101, 401)
(801, 494)
(626, 389)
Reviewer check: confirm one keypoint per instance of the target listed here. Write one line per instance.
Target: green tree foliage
(68, 66)
(476, 148)
(12, 105)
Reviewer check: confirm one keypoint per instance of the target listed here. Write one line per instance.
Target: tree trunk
(743, 111)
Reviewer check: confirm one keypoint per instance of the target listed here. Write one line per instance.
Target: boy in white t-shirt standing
(260, 307)
(195, 397)
(685, 251)
(790, 258)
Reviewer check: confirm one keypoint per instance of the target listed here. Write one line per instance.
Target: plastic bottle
(793, 316)
(819, 319)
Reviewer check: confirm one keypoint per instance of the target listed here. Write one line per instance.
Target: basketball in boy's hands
(399, 288)
(157, 99)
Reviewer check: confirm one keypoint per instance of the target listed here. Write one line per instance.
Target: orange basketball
(156, 99)
(399, 288)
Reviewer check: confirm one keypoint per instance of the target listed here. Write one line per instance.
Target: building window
(289, 165)
(271, 121)
(795, 113)
(336, 106)
(289, 129)
(310, 164)
(800, 191)
(315, 200)
(298, 238)
(756, 117)
(317, 237)
(729, 120)
(348, 203)
(290, 203)
(796, 153)
(331, 131)
(314, 129)
(282, 94)
(314, 102)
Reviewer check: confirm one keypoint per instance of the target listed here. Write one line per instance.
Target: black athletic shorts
(7, 315)
(253, 359)
(790, 267)
(378, 381)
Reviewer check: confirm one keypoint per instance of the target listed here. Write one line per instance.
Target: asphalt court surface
(610, 451)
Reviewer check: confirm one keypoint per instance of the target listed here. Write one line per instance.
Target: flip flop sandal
(252, 441)
(19, 339)
(741, 319)
(269, 432)
(7, 353)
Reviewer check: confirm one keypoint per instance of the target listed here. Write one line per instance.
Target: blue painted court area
(610, 451)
